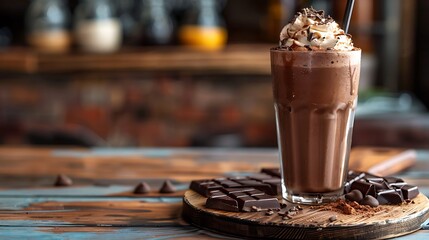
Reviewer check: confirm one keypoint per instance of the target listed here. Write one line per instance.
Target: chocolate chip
(269, 213)
(255, 209)
(282, 213)
(293, 209)
(333, 218)
(167, 187)
(283, 205)
(142, 188)
(370, 201)
(354, 195)
(290, 214)
(63, 181)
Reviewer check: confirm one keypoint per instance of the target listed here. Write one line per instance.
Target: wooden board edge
(250, 229)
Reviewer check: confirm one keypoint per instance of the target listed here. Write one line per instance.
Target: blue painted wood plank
(188, 232)
(20, 203)
(85, 191)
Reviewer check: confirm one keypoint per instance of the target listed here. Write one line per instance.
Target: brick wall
(124, 109)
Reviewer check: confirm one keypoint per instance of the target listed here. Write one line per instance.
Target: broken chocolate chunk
(351, 178)
(389, 197)
(364, 187)
(387, 190)
(380, 186)
(409, 191)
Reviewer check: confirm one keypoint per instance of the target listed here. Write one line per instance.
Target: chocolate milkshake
(315, 83)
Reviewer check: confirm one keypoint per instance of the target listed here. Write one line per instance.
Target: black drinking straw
(348, 15)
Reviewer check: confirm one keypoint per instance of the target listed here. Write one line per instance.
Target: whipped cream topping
(311, 29)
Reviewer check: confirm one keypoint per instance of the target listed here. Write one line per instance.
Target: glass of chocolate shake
(315, 84)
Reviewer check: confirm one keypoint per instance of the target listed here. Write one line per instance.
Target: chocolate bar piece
(351, 178)
(241, 199)
(364, 187)
(225, 203)
(275, 172)
(263, 182)
(257, 191)
(204, 187)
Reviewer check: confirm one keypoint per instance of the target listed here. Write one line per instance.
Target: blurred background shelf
(153, 93)
(234, 59)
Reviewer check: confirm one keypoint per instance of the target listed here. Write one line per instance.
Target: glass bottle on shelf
(155, 24)
(47, 26)
(126, 14)
(97, 28)
(204, 26)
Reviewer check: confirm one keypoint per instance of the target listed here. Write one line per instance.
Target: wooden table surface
(100, 204)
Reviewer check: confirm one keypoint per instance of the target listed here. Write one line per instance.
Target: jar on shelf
(155, 26)
(97, 28)
(203, 27)
(47, 25)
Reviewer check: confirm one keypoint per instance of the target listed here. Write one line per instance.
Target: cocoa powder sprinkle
(350, 208)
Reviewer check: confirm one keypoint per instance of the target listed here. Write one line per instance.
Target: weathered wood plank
(103, 233)
(100, 205)
(95, 190)
(89, 165)
(26, 168)
(91, 212)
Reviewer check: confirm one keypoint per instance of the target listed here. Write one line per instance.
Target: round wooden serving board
(310, 223)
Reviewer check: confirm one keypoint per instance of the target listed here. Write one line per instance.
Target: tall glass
(315, 96)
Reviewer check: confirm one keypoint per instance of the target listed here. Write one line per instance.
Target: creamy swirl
(312, 30)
